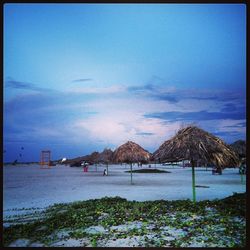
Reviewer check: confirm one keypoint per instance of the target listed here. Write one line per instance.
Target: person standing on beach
(105, 172)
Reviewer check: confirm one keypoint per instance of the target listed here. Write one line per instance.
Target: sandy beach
(29, 186)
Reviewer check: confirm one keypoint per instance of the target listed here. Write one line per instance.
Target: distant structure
(63, 160)
(45, 158)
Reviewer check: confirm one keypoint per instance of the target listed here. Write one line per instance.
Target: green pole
(193, 182)
(131, 173)
(241, 177)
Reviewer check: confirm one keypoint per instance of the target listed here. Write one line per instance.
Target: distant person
(105, 172)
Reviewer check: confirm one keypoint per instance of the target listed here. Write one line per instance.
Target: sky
(80, 78)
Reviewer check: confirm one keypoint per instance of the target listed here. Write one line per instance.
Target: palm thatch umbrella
(105, 157)
(75, 161)
(93, 157)
(194, 144)
(239, 148)
(130, 152)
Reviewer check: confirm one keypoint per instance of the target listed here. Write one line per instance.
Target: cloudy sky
(79, 78)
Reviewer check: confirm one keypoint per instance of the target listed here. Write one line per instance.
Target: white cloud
(231, 126)
(117, 129)
(96, 90)
(108, 118)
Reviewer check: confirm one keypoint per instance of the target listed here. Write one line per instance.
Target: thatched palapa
(130, 152)
(92, 158)
(239, 148)
(105, 156)
(195, 144)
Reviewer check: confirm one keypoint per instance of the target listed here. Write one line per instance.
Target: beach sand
(29, 186)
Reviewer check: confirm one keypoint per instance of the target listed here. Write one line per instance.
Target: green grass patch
(219, 222)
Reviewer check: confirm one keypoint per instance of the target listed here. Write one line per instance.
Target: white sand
(29, 186)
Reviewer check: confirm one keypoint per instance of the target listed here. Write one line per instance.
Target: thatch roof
(239, 148)
(105, 156)
(75, 160)
(92, 158)
(193, 143)
(130, 152)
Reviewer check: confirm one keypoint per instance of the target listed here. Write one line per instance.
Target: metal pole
(107, 169)
(131, 173)
(241, 172)
(193, 181)
(241, 177)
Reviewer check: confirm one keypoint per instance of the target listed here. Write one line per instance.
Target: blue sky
(79, 78)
